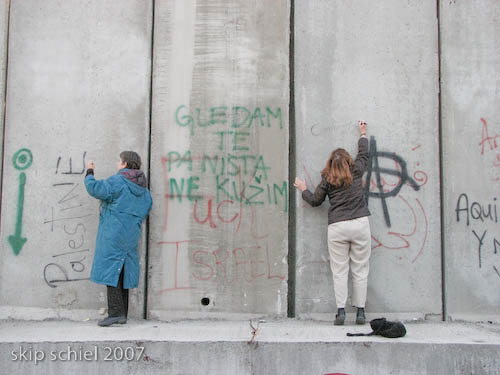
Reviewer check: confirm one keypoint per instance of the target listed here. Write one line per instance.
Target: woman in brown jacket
(349, 236)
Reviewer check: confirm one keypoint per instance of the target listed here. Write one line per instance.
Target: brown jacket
(346, 203)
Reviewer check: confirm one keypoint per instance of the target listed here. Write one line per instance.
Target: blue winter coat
(124, 207)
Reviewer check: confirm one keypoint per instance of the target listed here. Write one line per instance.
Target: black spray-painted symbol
(70, 171)
(373, 167)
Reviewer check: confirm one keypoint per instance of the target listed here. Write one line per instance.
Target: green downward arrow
(17, 241)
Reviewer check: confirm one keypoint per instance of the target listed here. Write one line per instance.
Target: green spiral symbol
(22, 159)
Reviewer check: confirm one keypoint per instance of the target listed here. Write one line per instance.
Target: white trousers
(349, 244)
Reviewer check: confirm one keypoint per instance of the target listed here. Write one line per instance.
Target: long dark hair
(338, 168)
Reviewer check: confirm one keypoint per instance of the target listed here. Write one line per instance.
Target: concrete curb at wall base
(220, 347)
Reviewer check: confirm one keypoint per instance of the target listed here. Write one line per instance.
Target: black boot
(360, 316)
(112, 320)
(340, 317)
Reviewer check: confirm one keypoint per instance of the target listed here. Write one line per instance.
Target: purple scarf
(136, 176)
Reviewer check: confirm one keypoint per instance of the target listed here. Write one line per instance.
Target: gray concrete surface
(79, 79)
(79, 76)
(4, 23)
(218, 244)
(470, 96)
(279, 347)
(375, 61)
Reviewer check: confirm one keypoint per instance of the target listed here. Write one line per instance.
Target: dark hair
(132, 159)
(338, 168)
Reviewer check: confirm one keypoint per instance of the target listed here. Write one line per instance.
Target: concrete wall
(78, 90)
(4, 24)
(375, 61)
(218, 244)
(470, 93)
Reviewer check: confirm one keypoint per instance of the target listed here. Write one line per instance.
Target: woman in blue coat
(125, 203)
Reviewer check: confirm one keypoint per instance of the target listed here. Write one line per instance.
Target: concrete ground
(230, 347)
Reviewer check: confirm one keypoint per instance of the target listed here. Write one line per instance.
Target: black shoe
(340, 317)
(360, 316)
(112, 320)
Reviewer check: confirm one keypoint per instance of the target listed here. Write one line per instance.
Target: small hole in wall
(205, 301)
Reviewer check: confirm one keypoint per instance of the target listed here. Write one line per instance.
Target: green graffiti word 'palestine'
(22, 160)
(237, 116)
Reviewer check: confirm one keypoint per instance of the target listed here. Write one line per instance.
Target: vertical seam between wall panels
(146, 260)
(441, 174)
(4, 107)
(291, 173)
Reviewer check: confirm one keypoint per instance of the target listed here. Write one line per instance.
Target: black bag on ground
(385, 328)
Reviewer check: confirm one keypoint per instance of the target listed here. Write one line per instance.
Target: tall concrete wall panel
(78, 90)
(4, 24)
(470, 102)
(79, 87)
(375, 61)
(219, 228)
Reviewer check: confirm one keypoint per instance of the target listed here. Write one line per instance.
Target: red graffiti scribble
(237, 229)
(215, 213)
(252, 226)
(420, 177)
(400, 235)
(164, 162)
(243, 261)
(176, 284)
(425, 231)
(212, 272)
(497, 161)
(486, 138)
(209, 217)
(309, 179)
(379, 244)
(405, 236)
(383, 181)
(414, 220)
(252, 209)
(224, 220)
(221, 263)
(237, 263)
(414, 148)
(213, 217)
(491, 141)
